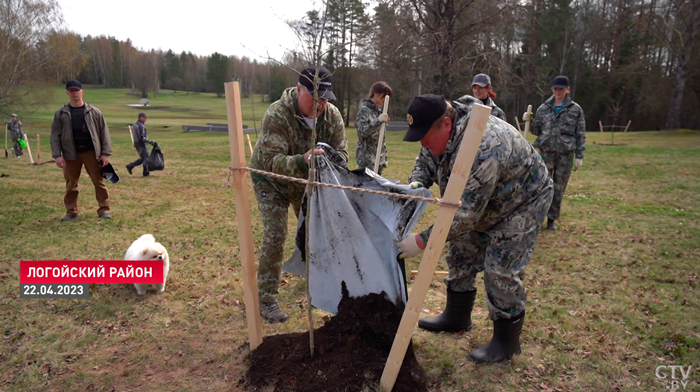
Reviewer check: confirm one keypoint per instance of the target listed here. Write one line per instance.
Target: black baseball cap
(109, 173)
(142, 114)
(325, 84)
(422, 113)
(560, 81)
(74, 84)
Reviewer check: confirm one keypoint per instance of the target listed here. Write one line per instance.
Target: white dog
(146, 248)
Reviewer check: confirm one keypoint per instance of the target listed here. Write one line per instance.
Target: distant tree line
(633, 60)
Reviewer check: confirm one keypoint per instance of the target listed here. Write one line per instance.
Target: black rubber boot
(551, 225)
(505, 341)
(457, 315)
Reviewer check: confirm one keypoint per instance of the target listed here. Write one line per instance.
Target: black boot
(551, 225)
(457, 315)
(505, 341)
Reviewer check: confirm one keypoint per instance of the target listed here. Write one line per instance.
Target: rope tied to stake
(432, 200)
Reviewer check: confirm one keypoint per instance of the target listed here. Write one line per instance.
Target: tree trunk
(691, 33)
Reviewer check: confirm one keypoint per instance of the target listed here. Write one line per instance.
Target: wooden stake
(445, 215)
(29, 149)
(243, 218)
(527, 123)
(600, 124)
(381, 136)
(517, 124)
(413, 272)
(38, 150)
(132, 135)
(250, 146)
(628, 125)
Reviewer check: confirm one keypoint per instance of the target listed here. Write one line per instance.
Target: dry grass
(612, 294)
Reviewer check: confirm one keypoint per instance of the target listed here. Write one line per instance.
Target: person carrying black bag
(140, 141)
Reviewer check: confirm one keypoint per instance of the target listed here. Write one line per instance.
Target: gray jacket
(62, 144)
(140, 134)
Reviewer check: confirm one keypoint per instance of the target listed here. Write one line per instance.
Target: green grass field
(612, 294)
(165, 110)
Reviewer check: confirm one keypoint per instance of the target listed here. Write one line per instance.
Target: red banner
(91, 271)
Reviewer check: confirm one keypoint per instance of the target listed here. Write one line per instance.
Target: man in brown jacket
(80, 137)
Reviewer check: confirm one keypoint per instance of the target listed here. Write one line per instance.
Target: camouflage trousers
(559, 165)
(367, 159)
(502, 253)
(274, 210)
(16, 146)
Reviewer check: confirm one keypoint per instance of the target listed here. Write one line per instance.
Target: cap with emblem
(422, 113)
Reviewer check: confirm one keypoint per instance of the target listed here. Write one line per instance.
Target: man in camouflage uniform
(285, 147)
(16, 132)
(560, 127)
(494, 230)
(368, 123)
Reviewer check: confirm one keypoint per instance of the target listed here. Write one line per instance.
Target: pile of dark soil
(350, 352)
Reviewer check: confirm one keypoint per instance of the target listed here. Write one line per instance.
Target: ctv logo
(675, 375)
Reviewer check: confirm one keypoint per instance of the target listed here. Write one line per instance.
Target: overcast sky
(232, 27)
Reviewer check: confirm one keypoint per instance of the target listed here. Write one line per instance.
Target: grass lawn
(165, 110)
(612, 294)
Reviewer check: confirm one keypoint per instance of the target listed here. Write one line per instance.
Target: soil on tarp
(350, 352)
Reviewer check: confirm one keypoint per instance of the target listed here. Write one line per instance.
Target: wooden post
(517, 124)
(600, 124)
(527, 123)
(443, 221)
(381, 136)
(250, 146)
(243, 218)
(29, 149)
(38, 150)
(628, 125)
(413, 272)
(132, 135)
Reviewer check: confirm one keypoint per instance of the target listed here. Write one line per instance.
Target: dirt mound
(350, 352)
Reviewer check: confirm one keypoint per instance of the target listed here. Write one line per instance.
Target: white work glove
(307, 155)
(415, 185)
(410, 246)
(527, 116)
(579, 163)
(383, 117)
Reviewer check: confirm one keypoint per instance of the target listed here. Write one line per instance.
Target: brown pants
(72, 174)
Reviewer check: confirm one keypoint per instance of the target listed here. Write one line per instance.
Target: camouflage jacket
(368, 126)
(285, 138)
(495, 110)
(15, 129)
(561, 132)
(507, 173)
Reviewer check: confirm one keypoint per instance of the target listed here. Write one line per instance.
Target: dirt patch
(350, 352)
